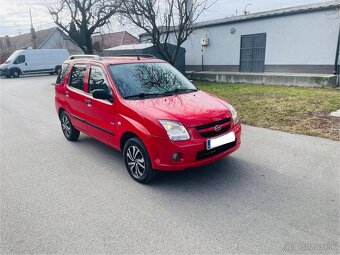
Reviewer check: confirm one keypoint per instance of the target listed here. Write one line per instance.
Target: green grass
(291, 109)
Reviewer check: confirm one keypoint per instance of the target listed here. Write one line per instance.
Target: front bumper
(193, 152)
(4, 72)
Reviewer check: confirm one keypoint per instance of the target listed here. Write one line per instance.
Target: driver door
(99, 113)
(21, 63)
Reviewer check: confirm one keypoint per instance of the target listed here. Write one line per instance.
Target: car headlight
(175, 130)
(234, 115)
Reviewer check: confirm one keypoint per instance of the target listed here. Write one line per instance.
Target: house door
(253, 49)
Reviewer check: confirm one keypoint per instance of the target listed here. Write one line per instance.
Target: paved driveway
(278, 193)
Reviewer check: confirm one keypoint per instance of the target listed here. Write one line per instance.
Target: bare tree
(81, 18)
(165, 21)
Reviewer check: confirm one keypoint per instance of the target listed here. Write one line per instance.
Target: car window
(62, 73)
(97, 80)
(77, 76)
(20, 59)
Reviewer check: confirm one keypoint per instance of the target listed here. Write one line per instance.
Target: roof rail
(136, 55)
(96, 57)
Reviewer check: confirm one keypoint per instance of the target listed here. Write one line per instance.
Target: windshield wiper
(174, 91)
(177, 90)
(141, 95)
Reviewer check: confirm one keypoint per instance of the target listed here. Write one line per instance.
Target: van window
(97, 80)
(20, 59)
(77, 77)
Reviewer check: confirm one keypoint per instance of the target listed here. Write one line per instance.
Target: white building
(302, 39)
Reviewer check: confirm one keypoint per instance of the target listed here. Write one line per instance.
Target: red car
(148, 110)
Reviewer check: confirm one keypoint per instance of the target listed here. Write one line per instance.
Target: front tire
(68, 129)
(137, 161)
(15, 73)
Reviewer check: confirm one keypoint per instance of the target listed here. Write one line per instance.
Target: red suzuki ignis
(148, 110)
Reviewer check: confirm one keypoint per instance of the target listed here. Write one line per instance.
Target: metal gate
(253, 49)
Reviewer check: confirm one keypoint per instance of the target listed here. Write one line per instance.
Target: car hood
(191, 109)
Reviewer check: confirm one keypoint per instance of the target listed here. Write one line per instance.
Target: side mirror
(102, 94)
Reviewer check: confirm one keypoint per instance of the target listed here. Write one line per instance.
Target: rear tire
(137, 161)
(57, 70)
(68, 129)
(15, 73)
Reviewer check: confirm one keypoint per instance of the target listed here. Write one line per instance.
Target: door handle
(67, 94)
(25, 64)
(88, 101)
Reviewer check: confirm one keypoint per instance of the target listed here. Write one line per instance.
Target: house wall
(303, 42)
(59, 41)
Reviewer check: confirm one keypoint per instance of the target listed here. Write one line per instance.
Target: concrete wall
(59, 41)
(295, 43)
(301, 80)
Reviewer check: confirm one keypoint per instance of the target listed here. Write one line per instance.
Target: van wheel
(137, 161)
(15, 73)
(68, 129)
(57, 69)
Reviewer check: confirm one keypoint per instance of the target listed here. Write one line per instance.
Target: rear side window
(77, 76)
(62, 73)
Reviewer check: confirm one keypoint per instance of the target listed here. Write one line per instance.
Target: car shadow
(227, 171)
(231, 187)
(103, 151)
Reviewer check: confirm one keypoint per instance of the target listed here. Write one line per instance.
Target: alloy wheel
(135, 161)
(66, 126)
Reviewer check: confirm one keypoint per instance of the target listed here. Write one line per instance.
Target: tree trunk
(89, 48)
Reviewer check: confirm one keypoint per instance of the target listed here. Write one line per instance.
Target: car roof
(114, 60)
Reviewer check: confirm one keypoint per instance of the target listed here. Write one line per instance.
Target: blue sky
(14, 14)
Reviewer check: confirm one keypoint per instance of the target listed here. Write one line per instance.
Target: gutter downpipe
(336, 66)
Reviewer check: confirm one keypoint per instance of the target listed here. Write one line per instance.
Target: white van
(30, 61)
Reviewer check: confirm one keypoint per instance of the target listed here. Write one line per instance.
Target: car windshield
(139, 80)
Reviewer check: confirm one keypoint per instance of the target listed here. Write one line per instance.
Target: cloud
(14, 16)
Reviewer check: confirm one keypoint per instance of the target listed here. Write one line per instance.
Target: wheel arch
(15, 68)
(125, 137)
(57, 67)
(61, 109)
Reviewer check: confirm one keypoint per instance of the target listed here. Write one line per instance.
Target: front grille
(207, 130)
(213, 124)
(209, 153)
(214, 133)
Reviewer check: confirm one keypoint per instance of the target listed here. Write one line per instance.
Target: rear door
(75, 95)
(100, 114)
